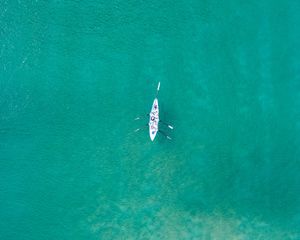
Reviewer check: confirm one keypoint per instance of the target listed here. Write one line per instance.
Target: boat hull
(154, 119)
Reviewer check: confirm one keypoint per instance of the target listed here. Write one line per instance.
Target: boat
(154, 119)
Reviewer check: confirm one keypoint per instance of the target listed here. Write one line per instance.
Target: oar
(165, 134)
(138, 129)
(169, 126)
(157, 88)
(140, 117)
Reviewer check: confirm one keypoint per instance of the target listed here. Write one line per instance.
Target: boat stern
(152, 135)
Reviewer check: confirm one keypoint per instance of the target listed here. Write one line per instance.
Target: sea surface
(74, 75)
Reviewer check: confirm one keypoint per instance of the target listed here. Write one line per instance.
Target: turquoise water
(74, 75)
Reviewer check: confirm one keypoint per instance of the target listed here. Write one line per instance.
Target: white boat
(154, 119)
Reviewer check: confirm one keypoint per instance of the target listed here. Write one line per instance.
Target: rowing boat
(154, 119)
